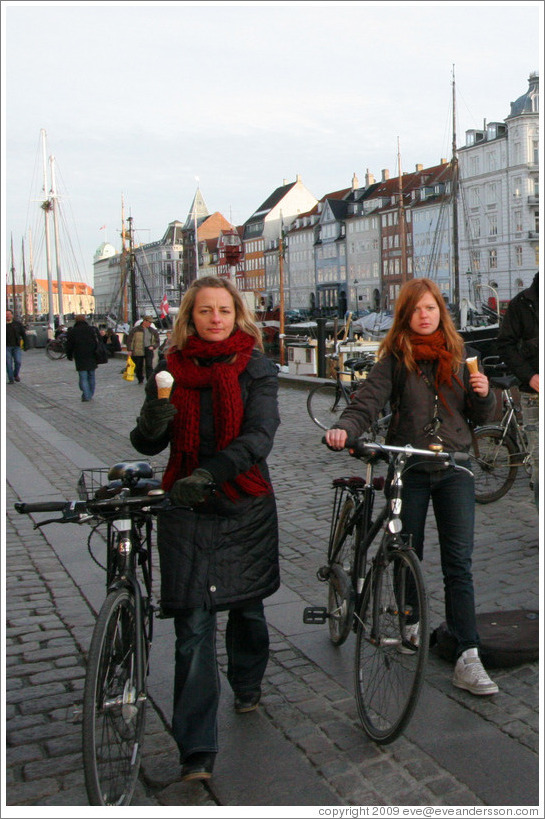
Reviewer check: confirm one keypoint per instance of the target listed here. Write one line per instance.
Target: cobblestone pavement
(458, 750)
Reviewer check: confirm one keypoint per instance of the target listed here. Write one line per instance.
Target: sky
(143, 102)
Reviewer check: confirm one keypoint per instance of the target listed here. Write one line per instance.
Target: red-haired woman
(437, 398)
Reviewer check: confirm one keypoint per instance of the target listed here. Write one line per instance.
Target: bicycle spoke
(388, 671)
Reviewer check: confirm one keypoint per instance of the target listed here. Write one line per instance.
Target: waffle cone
(163, 392)
(472, 365)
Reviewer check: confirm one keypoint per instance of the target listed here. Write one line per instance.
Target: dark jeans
(453, 498)
(13, 362)
(196, 678)
(87, 381)
(141, 361)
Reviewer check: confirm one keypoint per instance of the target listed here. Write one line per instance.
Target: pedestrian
(434, 404)
(163, 349)
(143, 340)
(221, 554)
(15, 343)
(81, 344)
(518, 338)
(111, 342)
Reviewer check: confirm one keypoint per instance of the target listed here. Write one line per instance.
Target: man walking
(81, 344)
(143, 340)
(15, 334)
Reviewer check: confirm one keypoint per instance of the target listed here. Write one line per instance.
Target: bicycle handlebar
(74, 511)
(361, 448)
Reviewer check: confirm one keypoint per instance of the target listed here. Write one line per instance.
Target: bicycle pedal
(315, 615)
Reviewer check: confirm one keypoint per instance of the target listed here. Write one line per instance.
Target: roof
(270, 203)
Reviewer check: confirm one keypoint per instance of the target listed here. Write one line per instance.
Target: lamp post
(356, 282)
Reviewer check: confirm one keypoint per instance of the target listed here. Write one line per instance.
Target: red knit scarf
(227, 404)
(433, 348)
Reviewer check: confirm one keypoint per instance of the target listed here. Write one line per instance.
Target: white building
(499, 174)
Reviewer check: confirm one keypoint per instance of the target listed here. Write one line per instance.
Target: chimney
(444, 161)
(355, 183)
(284, 183)
(369, 179)
(419, 168)
(385, 174)
(297, 177)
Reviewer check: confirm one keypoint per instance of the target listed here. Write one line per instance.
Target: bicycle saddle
(130, 472)
(503, 381)
(358, 364)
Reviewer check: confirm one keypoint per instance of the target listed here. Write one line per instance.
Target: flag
(164, 307)
(102, 228)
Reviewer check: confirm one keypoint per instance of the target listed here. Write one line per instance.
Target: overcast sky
(139, 100)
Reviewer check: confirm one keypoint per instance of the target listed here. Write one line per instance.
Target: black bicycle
(124, 498)
(55, 348)
(326, 401)
(501, 447)
(376, 588)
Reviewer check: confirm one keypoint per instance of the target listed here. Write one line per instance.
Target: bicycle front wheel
(113, 705)
(54, 350)
(493, 463)
(341, 595)
(389, 663)
(325, 404)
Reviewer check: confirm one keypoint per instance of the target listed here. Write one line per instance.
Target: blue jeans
(13, 361)
(87, 383)
(196, 677)
(453, 497)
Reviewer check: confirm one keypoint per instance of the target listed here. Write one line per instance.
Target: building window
(518, 220)
(536, 220)
(475, 198)
(518, 255)
(491, 193)
(535, 151)
(492, 259)
(493, 225)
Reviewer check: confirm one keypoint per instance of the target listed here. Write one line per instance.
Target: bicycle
(325, 402)
(55, 349)
(381, 597)
(498, 450)
(114, 697)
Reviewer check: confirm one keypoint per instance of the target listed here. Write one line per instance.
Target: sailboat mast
(46, 207)
(13, 280)
(25, 302)
(401, 220)
(55, 207)
(455, 183)
(32, 282)
(124, 264)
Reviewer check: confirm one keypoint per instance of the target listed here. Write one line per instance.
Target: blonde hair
(398, 339)
(184, 327)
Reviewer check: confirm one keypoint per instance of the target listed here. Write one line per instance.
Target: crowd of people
(218, 538)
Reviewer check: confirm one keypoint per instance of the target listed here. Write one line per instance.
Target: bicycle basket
(91, 481)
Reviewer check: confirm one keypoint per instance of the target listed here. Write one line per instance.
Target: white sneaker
(412, 636)
(470, 674)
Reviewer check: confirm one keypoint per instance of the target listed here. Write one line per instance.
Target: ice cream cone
(164, 382)
(472, 364)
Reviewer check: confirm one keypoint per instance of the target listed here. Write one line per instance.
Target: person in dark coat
(518, 339)
(222, 553)
(438, 398)
(81, 343)
(15, 344)
(111, 342)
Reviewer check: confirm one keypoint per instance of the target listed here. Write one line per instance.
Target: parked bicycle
(325, 402)
(55, 348)
(376, 588)
(114, 697)
(500, 449)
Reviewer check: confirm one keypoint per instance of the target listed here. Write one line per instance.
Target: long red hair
(397, 340)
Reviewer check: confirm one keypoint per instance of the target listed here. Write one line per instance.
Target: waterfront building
(499, 177)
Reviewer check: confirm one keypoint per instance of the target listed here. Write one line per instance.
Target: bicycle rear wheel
(389, 670)
(113, 707)
(341, 596)
(54, 350)
(325, 404)
(494, 463)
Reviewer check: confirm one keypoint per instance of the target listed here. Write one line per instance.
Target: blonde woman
(222, 553)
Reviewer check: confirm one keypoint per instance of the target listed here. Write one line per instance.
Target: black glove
(155, 416)
(193, 489)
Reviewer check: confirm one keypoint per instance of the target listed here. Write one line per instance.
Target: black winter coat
(518, 340)
(225, 553)
(81, 343)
